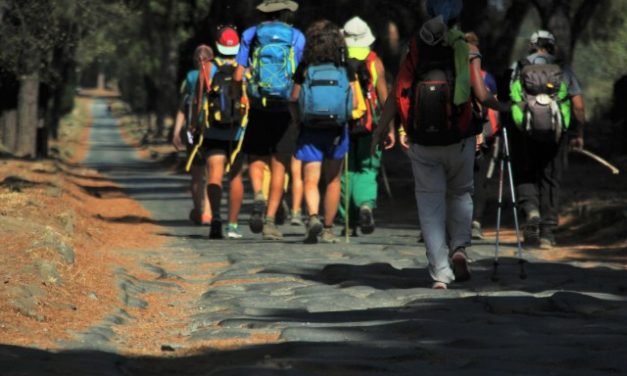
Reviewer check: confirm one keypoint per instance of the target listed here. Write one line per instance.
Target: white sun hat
(357, 33)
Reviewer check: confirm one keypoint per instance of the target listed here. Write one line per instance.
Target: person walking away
(324, 93)
(271, 52)
(485, 154)
(432, 93)
(183, 138)
(224, 118)
(546, 96)
(363, 167)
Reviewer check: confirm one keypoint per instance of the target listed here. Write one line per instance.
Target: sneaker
(314, 228)
(459, 261)
(547, 238)
(233, 232)
(477, 234)
(216, 230)
(256, 217)
(437, 285)
(366, 220)
(271, 232)
(531, 232)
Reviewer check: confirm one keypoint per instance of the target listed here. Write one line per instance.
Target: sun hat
(228, 41)
(542, 34)
(448, 9)
(269, 6)
(357, 33)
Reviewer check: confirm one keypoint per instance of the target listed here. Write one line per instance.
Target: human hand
(177, 142)
(480, 141)
(576, 142)
(404, 141)
(390, 140)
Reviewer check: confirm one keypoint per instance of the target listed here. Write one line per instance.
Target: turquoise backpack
(326, 98)
(273, 63)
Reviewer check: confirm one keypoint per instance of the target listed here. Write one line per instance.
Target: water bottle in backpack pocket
(326, 99)
(224, 112)
(273, 64)
(542, 95)
(367, 113)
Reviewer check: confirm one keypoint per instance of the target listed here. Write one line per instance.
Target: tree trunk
(9, 133)
(27, 111)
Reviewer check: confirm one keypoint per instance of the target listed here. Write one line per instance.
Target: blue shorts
(316, 145)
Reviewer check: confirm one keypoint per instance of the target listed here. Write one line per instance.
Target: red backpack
(424, 96)
(366, 78)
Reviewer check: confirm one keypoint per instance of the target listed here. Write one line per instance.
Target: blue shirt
(248, 37)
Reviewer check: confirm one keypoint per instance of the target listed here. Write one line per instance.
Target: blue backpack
(273, 63)
(326, 98)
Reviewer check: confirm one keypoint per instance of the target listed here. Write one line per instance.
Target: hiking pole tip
(495, 276)
(523, 272)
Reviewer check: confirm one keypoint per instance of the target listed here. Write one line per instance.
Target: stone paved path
(250, 307)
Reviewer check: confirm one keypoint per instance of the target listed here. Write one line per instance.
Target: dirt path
(247, 307)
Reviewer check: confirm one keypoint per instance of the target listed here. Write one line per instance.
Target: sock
(270, 220)
(215, 198)
(234, 225)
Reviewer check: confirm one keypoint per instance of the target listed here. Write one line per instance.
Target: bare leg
(333, 174)
(236, 193)
(311, 179)
(297, 185)
(277, 181)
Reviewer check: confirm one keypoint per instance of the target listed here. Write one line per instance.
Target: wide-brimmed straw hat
(357, 33)
(269, 6)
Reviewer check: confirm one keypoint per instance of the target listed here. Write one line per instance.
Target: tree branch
(583, 16)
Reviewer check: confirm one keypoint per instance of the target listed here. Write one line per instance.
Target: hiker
(271, 51)
(223, 135)
(433, 96)
(485, 155)
(182, 138)
(546, 95)
(363, 167)
(323, 89)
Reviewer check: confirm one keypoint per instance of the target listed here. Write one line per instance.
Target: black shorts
(270, 133)
(210, 148)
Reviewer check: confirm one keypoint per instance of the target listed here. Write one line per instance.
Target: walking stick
(346, 200)
(505, 158)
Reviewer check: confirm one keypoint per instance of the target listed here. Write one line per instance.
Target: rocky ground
(191, 306)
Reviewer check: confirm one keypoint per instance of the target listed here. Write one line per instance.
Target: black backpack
(543, 92)
(224, 112)
(434, 119)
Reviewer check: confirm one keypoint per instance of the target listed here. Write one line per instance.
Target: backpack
(224, 112)
(326, 99)
(365, 70)
(273, 64)
(426, 102)
(541, 96)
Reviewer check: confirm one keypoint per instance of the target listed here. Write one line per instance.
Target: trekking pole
(521, 261)
(346, 200)
(498, 221)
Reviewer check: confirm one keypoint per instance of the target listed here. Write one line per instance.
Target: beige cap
(357, 33)
(269, 6)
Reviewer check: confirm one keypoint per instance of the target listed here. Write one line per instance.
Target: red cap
(228, 41)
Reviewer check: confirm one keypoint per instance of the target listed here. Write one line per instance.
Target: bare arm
(293, 104)
(580, 117)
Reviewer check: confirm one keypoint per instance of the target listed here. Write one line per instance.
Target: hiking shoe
(297, 219)
(477, 234)
(327, 236)
(271, 232)
(437, 285)
(281, 213)
(314, 228)
(233, 232)
(216, 230)
(256, 217)
(459, 261)
(531, 233)
(547, 238)
(199, 219)
(366, 220)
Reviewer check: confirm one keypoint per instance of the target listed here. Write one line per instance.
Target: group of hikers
(301, 107)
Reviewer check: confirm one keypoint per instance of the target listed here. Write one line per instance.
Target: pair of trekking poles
(503, 156)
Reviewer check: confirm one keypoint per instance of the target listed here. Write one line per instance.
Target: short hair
(472, 38)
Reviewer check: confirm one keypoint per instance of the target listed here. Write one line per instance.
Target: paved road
(349, 309)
